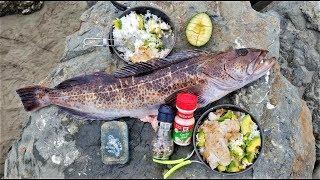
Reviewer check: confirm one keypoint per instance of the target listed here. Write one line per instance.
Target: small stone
(270, 106)
(56, 159)
(70, 157)
(114, 142)
(68, 137)
(65, 121)
(72, 128)
(27, 158)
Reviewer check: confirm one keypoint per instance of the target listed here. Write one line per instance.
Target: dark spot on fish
(202, 81)
(242, 52)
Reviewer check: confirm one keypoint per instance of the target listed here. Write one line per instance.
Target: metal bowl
(169, 41)
(234, 108)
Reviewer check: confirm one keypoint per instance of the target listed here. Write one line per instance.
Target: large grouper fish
(138, 90)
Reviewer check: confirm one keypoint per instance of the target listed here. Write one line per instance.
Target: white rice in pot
(130, 40)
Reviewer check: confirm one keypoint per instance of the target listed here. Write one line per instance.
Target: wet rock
(316, 174)
(91, 3)
(289, 141)
(259, 5)
(114, 142)
(19, 7)
(299, 39)
(300, 52)
(30, 46)
(312, 96)
(236, 25)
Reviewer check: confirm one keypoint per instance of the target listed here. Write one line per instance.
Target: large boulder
(56, 144)
(300, 52)
(30, 47)
(286, 119)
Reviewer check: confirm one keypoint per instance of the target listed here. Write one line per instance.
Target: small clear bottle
(162, 144)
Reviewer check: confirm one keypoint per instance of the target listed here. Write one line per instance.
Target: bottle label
(185, 116)
(182, 134)
(164, 131)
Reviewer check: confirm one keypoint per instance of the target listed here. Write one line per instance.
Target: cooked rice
(129, 39)
(255, 131)
(237, 142)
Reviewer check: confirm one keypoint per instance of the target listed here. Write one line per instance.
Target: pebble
(270, 106)
(56, 159)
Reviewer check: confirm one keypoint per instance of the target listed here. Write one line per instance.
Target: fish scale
(141, 94)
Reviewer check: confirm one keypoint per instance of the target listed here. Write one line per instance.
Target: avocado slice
(140, 22)
(233, 166)
(245, 160)
(201, 139)
(237, 152)
(152, 25)
(253, 145)
(199, 29)
(249, 158)
(228, 115)
(242, 167)
(246, 124)
(117, 24)
(158, 31)
(221, 168)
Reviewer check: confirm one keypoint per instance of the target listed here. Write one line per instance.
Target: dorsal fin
(144, 68)
(86, 79)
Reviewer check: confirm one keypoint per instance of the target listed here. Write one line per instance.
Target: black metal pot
(169, 42)
(233, 108)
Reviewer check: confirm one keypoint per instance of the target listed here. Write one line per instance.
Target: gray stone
(38, 147)
(114, 142)
(91, 3)
(289, 141)
(300, 52)
(236, 25)
(316, 174)
(312, 96)
(30, 47)
(19, 7)
(259, 5)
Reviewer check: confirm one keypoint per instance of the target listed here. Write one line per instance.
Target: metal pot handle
(119, 6)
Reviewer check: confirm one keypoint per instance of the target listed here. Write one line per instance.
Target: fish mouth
(263, 64)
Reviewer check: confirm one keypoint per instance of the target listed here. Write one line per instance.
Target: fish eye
(242, 52)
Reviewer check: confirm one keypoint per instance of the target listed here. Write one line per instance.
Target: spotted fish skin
(208, 75)
(122, 95)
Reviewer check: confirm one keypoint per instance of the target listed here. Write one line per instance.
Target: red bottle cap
(186, 101)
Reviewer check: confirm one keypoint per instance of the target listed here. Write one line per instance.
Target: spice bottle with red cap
(186, 104)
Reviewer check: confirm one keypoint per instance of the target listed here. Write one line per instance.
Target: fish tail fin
(34, 97)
